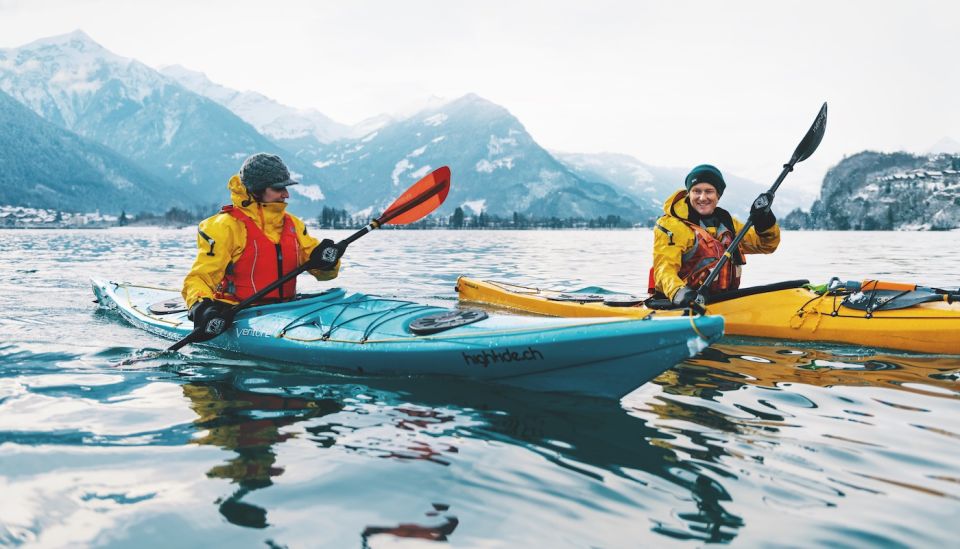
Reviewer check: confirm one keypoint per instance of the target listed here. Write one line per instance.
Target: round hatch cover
(167, 307)
(439, 322)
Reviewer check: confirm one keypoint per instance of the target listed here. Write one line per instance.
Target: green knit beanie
(705, 173)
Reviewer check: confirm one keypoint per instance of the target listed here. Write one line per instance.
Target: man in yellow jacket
(694, 232)
(250, 244)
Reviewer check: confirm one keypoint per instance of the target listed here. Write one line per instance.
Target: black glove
(210, 318)
(760, 213)
(685, 297)
(325, 256)
(688, 298)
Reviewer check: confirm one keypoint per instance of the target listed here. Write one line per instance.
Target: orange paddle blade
(870, 285)
(422, 198)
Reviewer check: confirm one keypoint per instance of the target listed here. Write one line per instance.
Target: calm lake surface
(754, 442)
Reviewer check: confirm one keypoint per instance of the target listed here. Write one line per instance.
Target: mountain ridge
(179, 126)
(45, 166)
(120, 103)
(497, 166)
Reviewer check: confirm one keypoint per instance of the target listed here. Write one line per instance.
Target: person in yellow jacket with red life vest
(694, 232)
(250, 244)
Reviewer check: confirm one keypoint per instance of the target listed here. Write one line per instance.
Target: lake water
(754, 442)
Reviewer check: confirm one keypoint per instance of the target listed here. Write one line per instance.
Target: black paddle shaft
(373, 225)
(807, 146)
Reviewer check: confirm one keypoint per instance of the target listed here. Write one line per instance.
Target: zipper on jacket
(279, 267)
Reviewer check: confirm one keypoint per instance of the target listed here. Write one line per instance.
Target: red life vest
(261, 263)
(707, 250)
(696, 263)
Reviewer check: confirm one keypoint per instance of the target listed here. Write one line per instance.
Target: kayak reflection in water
(694, 233)
(227, 421)
(439, 532)
(242, 247)
(428, 420)
(729, 367)
(589, 437)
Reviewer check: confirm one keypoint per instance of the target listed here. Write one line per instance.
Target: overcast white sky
(674, 83)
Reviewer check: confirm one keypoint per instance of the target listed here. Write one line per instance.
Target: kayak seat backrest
(660, 304)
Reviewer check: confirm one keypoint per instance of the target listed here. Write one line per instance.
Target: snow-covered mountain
(63, 77)
(876, 191)
(648, 185)
(310, 133)
(176, 134)
(269, 117)
(497, 167)
(46, 166)
(191, 135)
(651, 185)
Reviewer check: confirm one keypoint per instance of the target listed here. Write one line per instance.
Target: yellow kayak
(788, 311)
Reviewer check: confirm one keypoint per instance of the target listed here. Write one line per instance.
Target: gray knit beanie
(264, 170)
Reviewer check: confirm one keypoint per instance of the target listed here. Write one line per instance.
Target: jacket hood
(676, 206)
(266, 215)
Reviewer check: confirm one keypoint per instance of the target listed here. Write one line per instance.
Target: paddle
(419, 200)
(807, 146)
(871, 295)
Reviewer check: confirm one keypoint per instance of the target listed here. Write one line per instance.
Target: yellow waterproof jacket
(221, 239)
(672, 238)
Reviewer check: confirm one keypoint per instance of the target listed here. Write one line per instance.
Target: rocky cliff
(886, 191)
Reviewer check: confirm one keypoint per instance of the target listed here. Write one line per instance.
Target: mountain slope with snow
(651, 185)
(496, 166)
(45, 166)
(271, 118)
(178, 135)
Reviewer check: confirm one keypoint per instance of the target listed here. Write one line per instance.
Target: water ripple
(751, 442)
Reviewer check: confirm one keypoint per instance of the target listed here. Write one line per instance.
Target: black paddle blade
(812, 140)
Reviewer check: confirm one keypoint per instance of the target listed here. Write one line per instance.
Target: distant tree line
(173, 216)
(332, 218)
(336, 218)
(483, 220)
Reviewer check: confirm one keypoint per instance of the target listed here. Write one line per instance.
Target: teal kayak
(364, 334)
